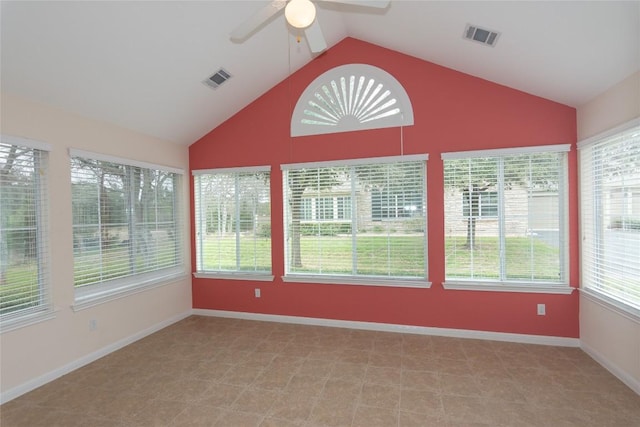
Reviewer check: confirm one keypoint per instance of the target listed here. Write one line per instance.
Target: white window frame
(45, 309)
(264, 276)
(589, 285)
(108, 290)
(354, 279)
(561, 287)
(483, 205)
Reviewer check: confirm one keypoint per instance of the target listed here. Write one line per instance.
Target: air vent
(217, 79)
(481, 35)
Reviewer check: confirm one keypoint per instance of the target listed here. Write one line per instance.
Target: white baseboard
(622, 375)
(388, 327)
(85, 360)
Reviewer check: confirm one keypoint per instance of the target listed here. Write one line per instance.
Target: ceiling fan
(300, 14)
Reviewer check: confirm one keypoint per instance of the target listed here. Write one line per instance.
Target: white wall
(610, 336)
(35, 354)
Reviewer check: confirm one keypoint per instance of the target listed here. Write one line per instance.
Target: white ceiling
(140, 64)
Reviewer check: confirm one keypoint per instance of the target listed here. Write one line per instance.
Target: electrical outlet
(93, 324)
(542, 310)
(257, 291)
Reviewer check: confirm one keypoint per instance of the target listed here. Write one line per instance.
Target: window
(24, 242)
(351, 97)
(233, 222)
(480, 204)
(127, 227)
(347, 243)
(328, 209)
(394, 203)
(324, 209)
(505, 219)
(610, 215)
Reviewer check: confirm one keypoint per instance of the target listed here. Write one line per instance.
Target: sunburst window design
(351, 97)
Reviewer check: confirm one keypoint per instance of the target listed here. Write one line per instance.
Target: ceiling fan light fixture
(300, 13)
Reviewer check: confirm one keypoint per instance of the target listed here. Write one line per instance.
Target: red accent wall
(452, 112)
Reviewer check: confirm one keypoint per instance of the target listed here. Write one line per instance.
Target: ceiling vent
(481, 35)
(217, 79)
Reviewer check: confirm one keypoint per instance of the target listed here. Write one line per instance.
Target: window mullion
(39, 195)
(562, 212)
(131, 214)
(501, 220)
(354, 223)
(237, 218)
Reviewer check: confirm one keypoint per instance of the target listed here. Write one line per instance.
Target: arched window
(351, 97)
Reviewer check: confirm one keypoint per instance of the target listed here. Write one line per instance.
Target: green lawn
(390, 255)
(375, 255)
(402, 256)
(114, 263)
(21, 287)
(526, 259)
(220, 254)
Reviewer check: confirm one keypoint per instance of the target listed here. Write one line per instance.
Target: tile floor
(206, 371)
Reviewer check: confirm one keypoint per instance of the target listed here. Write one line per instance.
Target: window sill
(258, 277)
(522, 287)
(612, 304)
(86, 298)
(362, 281)
(24, 320)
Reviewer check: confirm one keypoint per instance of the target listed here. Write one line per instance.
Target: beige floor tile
(367, 416)
(421, 401)
(273, 379)
(230, 372)
(316, 368)
(339, 390)
(279, 422)
(414, 419)
(386, 360)
(383, 375)
(354, 355)
(293, 408)
(197, 416)
(155, 413)
(307, 387)
(231, 418)
(220, 395)
(380, 396)
(420, 380)
(332, 413)
(255, 401)
(241, 375)
(347, 371)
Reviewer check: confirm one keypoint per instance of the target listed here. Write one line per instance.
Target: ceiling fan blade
(381, 4)
(315, 38)
(255, 21)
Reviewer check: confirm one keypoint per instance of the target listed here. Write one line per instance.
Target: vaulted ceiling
(140, 64)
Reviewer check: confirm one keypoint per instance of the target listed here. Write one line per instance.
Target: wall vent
(216, 79)
(481, 35)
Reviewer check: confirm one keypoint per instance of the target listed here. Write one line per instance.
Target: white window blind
(368, 218)
(610, 215)
(127, 228)
(505, 215)
(233, 220)
(24, 239)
